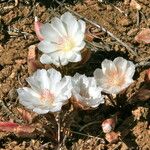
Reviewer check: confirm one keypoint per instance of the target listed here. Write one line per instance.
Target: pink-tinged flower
(115, 75)
(48, 92)
(63, 40)
(86, 94)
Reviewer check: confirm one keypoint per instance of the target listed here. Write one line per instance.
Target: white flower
(63, 40)
(48, 92)
(115, 75)
(86, 94)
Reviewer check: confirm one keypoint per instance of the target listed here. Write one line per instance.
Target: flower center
(115, 79)
(46, 95)
(66, 44)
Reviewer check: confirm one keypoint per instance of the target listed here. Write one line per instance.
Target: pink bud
(109, 124)
(37, 27)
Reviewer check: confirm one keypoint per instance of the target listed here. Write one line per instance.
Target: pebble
(125, 22)
(116, 47)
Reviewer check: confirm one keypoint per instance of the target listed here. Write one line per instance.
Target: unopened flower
(63, 40)
(48, 92)
(115, 75)
(109, 124)
(86, 94)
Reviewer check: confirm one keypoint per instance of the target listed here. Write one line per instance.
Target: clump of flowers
(115, 75)
(48, 92)
(61, 40)
(86, 94)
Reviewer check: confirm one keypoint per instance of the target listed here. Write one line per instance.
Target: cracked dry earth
(120, 19)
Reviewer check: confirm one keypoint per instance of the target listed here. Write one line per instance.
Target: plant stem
(58, 129)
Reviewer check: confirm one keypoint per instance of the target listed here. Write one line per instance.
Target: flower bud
(109, 124)
(37, 26)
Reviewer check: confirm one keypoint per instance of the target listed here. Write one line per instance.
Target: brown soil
(17, 34)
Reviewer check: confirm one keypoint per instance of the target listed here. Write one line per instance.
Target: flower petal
(70, 22)
(108, 66)
(130, 70)
(98, 74)
(43, 79)
(82, 25)
(121, 65)
(64, 88)
(59, 26)
(45, 59)
(75, 58)
(47, 47)
(56, 107)
(28, 97)
(40, 111)
(53, 74)
(33, 82)
(49, 33)
(79, 37)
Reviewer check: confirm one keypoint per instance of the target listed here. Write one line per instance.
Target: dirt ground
(82, 129)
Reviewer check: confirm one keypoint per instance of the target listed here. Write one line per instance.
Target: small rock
(125, 22)
(135, 5)
(116, 47)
